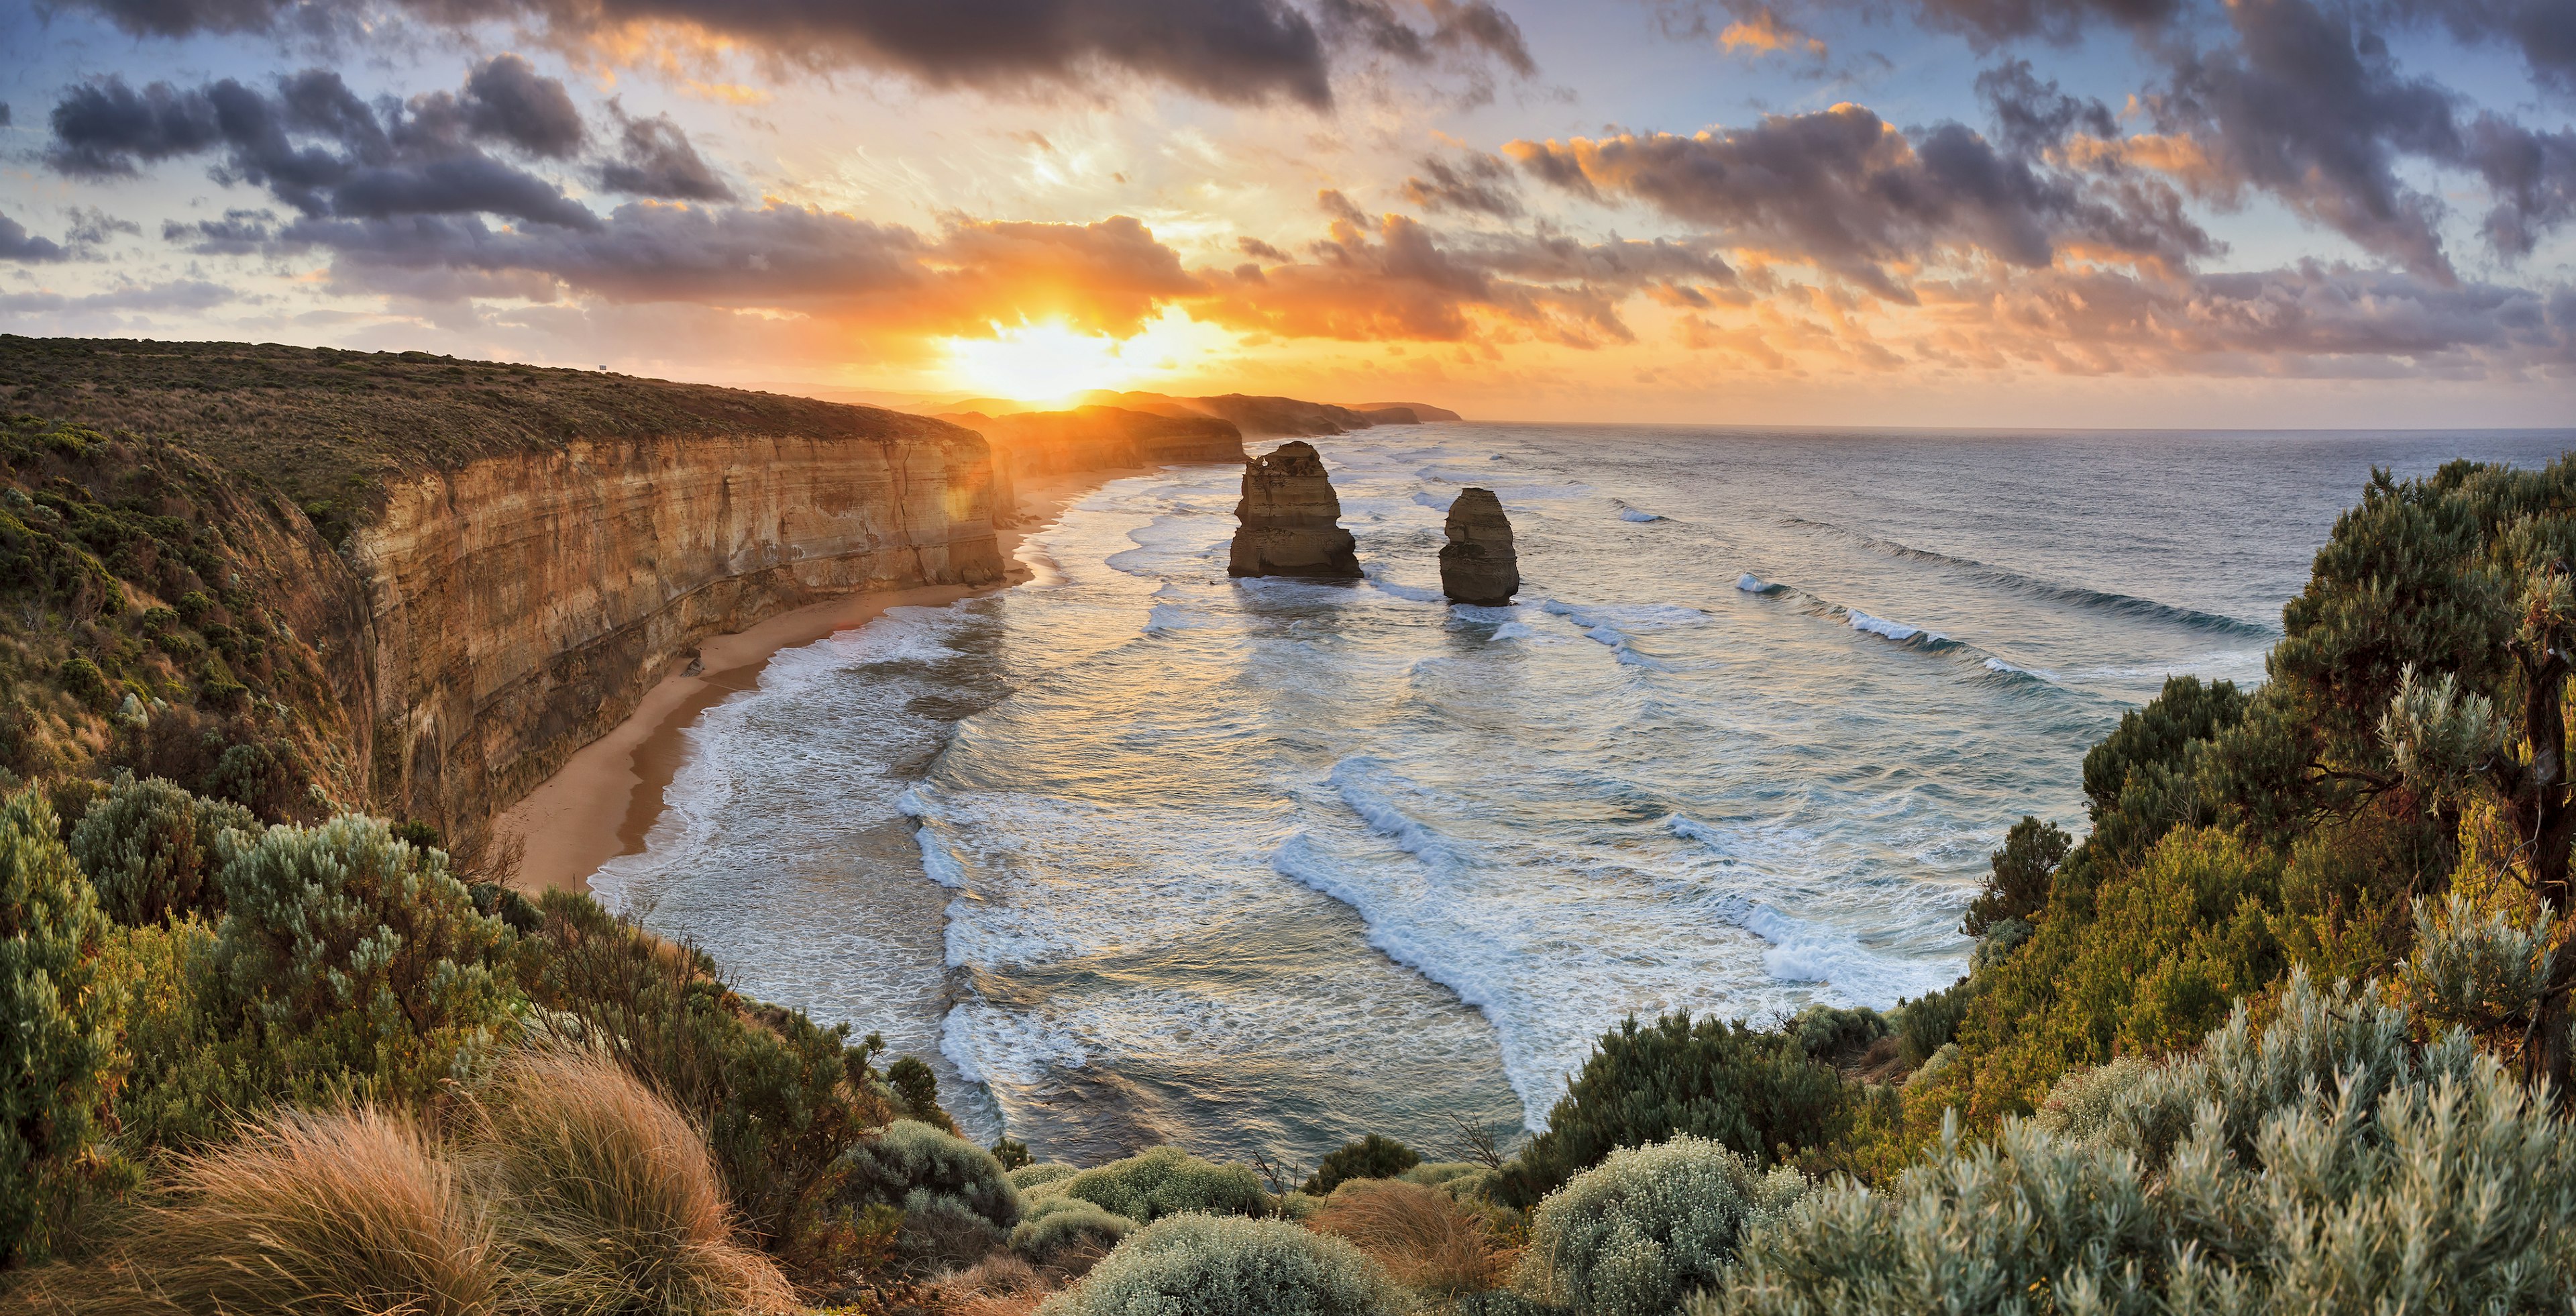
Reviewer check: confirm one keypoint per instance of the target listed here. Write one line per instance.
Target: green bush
(1371, 1157)
(1168, 1181)
(350, 963)
(1831, 1033)
(1059, 1224)
(58, 1020)
(155, 851)
(2018, 885)
(1647, 1084)
(1467, 1181)
(1200, 1265)
(957, 1201)
(1648, 1227)
(2326, 1162)
(178, 1094)
(1925, 1025)
(82, 680)
(1041, 1175)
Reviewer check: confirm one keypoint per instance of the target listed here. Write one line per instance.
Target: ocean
(1137, 853)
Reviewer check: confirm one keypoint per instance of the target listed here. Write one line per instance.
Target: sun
(1044, 362)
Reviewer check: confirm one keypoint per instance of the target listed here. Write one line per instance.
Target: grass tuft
(1426, 1239)
(612, 1202)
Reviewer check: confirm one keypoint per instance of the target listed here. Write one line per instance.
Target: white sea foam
(1512, 630)
(1637, 514)
(1434, 501)
(1893, 630)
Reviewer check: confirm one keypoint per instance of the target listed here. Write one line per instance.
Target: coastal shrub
(1040, 1175)
(777, 1097)
(1373, 1157)
(1063, 1227)
(349, 962)
(155, 852)
(351, 1212)
(1012, 1153)
(58, 1021)
(178, 1093)
(1168, 1181)
(2017, 885)
(1204, 1265)
(2326, 1161)
(1649, 1083)
(916, 1092)
(1834, 1033)
(609, 1201)
(1648, 1227)
(1468, 1181)
(1424, 1238)
(958, 1203)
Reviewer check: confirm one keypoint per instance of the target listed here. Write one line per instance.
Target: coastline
(604, 800)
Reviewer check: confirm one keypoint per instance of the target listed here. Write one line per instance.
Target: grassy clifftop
(327, 427)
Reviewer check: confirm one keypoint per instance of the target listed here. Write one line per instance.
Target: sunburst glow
(1045, 362)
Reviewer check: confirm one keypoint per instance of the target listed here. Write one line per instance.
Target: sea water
(1135, 852)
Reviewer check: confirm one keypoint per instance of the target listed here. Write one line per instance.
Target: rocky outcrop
(524, 604)
(1289, 522)
(1478, 564)
(1423, 412)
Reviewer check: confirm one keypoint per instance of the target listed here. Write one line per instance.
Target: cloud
(655, 159)
(175, 295)
(19, 245)
(1846, 191)
(1396, 278)
(238, 233)
(1479, 183)
(327, 154)
(2315, 318)
(1239, 51)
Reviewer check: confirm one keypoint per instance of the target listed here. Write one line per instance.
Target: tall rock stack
(1289, 522)
(1478, 565)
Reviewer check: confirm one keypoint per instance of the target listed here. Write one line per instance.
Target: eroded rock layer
(1478, 564)
(524, 604)
(1289, 521)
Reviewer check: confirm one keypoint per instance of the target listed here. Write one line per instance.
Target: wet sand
(604, 800)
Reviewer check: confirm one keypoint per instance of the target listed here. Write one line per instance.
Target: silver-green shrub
(958, 1203)
(154, 851)
(1059, 1223)
(1648, 1227)
(2325, 1163)
(1169, 1181)
(350, 963)
(1465, 1180)
(1203, 1265)
(1040, 1175)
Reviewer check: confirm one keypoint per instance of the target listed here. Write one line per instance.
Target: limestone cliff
(521, 552)
(1478, 564)
(1289, 521)
(524, 604)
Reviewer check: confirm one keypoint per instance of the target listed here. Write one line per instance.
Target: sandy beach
(604, 800)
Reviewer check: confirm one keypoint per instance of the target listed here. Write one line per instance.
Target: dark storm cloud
(506, 99)
(1477, 182)
(2031, 116)
(655, 159)
(1847, 191)
(1227, 50)
(319, 148)
(17, 244)
(238, 233)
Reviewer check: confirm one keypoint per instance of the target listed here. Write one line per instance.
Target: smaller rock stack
(1478, 565)
(1289, 522)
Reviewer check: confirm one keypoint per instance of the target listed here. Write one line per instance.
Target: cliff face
(524, 604)
(520, 554)
(1289, 522)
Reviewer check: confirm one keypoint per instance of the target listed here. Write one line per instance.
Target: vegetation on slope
(329, 427)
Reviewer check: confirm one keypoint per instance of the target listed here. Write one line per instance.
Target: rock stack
(1289, 522)
(1478, 565)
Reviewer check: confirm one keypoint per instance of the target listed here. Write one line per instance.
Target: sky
(1977, 213)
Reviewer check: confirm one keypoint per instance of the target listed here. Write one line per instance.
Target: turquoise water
(1137, 853)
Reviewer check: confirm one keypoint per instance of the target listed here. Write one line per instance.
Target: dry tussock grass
(999, 1285)
(1424, 1238)
(611, 1202)
(342, 1213)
